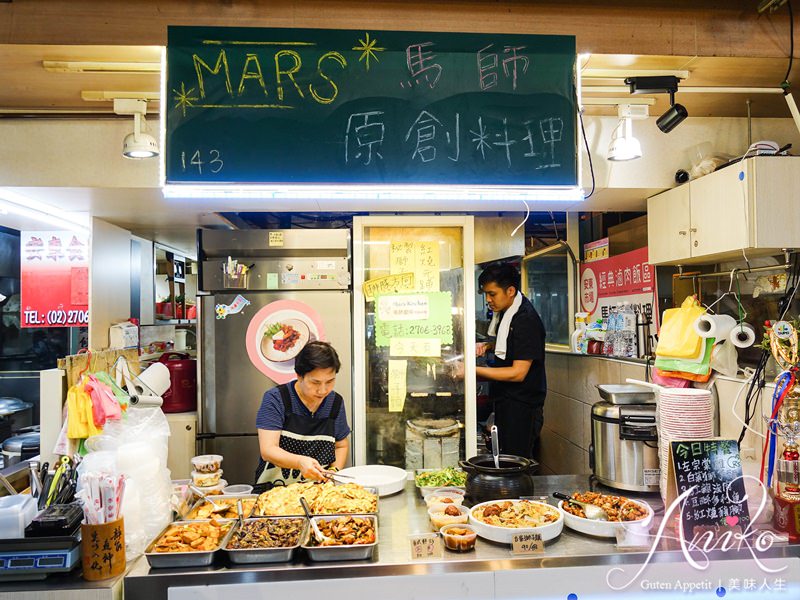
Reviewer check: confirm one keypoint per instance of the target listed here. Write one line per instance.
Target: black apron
(303, 435)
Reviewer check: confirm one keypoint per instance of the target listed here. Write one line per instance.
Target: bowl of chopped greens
(428, 480)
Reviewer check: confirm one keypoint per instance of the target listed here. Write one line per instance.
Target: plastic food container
(446, 490)
(444, 498)
(439, 518)
(16, 513)
(206, 479)
(240, 489)
(459, 538)
(207, 463)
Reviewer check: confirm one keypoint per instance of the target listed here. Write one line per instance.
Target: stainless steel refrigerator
(295, 277)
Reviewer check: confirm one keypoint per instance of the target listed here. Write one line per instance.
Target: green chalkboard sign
(380, 107)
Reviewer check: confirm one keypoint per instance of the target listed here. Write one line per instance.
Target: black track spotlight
(676, 114)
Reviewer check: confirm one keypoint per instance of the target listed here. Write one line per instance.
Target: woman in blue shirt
(302, 425)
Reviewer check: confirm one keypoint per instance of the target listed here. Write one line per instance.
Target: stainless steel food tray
(265, 555)
(300, 514)
(183, 559)
(626, 394)
(223, 497)
(332, 553)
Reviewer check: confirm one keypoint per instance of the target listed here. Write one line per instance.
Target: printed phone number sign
(437, 325)
(54, 273)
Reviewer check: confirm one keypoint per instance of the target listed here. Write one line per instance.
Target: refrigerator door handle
(212, 436)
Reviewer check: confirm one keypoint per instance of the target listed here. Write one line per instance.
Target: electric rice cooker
(624, 449)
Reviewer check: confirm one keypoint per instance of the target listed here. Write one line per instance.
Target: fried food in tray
(196, 536)
(618, 508)
(204, 510)
(345, 531)
(323, 499)
(266, 533)
(521, 514)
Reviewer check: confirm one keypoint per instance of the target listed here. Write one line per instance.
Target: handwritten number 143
(213, 161)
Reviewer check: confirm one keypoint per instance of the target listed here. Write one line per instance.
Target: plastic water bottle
(610, 341)
(626, 336)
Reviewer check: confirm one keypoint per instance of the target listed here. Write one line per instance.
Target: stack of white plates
(683, 414)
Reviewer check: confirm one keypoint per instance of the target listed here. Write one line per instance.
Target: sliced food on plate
(283, 340)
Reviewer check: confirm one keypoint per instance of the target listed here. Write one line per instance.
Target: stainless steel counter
(404, 514)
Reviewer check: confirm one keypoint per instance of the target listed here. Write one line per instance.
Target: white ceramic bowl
(503, 535)
(387, 480)
(607, 528)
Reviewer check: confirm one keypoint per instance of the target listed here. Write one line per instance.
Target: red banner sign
(55, 279)
(624, 278)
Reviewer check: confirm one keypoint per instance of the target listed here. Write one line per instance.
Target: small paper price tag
(425, 546)
(527, 543)
(275, 238)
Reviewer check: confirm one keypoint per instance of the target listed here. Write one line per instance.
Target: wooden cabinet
(752, 206)
(668, 225)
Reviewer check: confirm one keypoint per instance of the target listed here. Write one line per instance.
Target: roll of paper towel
(155, 379)
(146, 401)
(714, 326)
(743, 336)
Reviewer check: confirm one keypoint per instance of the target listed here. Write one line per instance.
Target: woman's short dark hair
(316, 355)
(504, 275)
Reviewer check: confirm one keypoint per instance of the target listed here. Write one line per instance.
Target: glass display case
(414, 333)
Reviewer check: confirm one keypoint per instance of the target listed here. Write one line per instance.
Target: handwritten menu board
(416, 315)
(257, 105)
(714, 469)
(421, 258)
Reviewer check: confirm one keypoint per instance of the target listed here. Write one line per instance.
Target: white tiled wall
(571, 381)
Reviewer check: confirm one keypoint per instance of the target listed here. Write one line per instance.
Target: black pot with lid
(512, 479)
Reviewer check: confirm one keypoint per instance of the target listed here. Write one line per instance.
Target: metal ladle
(592, 512)
(495, 447)
(216, 507)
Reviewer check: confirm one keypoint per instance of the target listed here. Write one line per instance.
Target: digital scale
(36, 558)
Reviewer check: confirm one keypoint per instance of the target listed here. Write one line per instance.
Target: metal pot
(21, 447)
(15, 413)
(486, 482)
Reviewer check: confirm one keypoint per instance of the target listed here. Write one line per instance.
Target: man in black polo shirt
(518, 382)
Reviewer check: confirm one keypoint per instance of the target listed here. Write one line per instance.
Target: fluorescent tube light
(14, 203)
(453, 193)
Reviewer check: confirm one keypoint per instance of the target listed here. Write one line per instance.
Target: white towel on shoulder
(501, 343)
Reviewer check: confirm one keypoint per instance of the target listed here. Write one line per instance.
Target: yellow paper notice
(426, 266)
(390, 284)
(427, 347)
(397, 384)
(421, 258)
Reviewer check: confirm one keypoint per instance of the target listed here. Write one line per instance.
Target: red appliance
(182, 393)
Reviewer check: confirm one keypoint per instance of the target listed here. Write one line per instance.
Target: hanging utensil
(592, 512)
(495, 447)
(321, 538)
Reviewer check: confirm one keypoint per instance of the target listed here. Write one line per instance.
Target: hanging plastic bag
(724, 359)
(677, 338)
(104, 403)
(120, 394)
(680, 366)
(80, 419)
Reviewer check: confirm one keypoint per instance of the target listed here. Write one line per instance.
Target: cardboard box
(627, 236)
